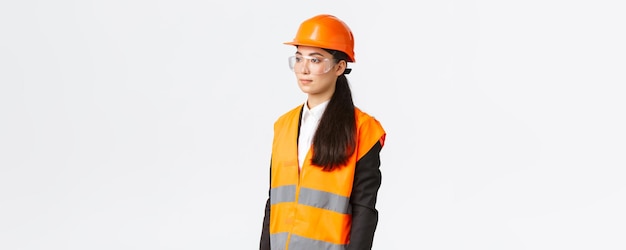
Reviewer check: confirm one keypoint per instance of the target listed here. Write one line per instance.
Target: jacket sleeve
(265, 232)
(367, 181)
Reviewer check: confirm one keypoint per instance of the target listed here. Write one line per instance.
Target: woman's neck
(312, 101)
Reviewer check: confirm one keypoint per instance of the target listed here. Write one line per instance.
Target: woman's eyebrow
(311, 54)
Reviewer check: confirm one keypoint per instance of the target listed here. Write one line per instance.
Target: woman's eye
(315, 60)
(298, 59)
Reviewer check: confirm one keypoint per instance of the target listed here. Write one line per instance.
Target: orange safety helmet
(325, 31)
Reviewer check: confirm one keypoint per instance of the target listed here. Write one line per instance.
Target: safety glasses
(315, 65)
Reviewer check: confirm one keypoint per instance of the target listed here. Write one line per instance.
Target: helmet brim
(318, 45)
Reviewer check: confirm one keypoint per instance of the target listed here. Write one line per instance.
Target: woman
(324, 172)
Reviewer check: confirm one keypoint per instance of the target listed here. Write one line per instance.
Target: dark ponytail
(335, 139)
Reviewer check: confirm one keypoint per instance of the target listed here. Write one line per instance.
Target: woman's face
(316, 71)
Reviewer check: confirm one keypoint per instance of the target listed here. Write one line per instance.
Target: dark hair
(335, 139)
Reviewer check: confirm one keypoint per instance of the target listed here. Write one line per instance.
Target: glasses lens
(310, 64)
(292, 63)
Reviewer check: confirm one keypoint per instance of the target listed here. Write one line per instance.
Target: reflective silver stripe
(283, 194)
(301, 243)
(278, 241)
(325, 200)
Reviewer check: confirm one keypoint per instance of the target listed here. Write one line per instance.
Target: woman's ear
(340, 67)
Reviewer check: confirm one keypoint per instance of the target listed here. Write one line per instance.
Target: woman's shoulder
(294, 112)
(362, 114)
(369, 129)
(363, 117)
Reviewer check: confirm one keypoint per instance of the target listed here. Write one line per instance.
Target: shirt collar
(317, 111)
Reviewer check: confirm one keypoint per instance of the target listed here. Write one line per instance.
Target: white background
(148, 124)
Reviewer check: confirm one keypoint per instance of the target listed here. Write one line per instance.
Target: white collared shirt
(308, 125)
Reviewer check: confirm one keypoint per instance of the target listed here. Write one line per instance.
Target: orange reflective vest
(310, 208)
